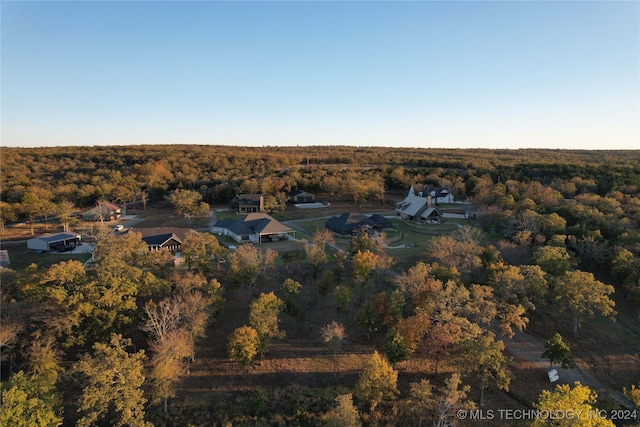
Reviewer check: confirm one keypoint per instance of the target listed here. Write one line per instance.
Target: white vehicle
(118, 227)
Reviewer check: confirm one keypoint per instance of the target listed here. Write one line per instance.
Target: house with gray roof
(163, 238)
(254, 227)
(247, 203)
(418, 208)
(352, 223)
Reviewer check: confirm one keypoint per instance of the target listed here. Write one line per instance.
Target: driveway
(526, 347)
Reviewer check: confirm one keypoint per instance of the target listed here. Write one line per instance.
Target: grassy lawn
(21, 258)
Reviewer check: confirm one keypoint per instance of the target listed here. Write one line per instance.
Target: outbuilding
(54, 242)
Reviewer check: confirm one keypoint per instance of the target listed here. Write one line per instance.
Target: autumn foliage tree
(377, 382)
(243, 346)
(579, 400)
(263, 317)
(112, 381)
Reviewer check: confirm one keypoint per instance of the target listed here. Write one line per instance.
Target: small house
(163, 238)
(105, 211)
(247, 203)
(299, 197)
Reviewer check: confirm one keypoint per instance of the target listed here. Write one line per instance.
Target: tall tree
(112, 380)
(378, 381)
(483, 358)
(580, 294)
(345, 414)
(7, 213)
(243, 346)
(333, 334)
(263, 317)
(201, 249)
(342, 298)
(316, 250)
(558, 351)
(290, 288)
(188, 203)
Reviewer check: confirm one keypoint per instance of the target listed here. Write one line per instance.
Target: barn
(54, 242)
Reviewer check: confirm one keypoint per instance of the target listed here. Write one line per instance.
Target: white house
(255, 228)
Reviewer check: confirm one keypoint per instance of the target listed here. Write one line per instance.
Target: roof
(298, 192)
(57, 237)
(379, 219)
(106, 207)
(254, 223)
(350, 222)
(156, 232)
(412, 205)
(249, 197)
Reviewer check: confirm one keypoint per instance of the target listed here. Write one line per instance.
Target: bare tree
(333, 334)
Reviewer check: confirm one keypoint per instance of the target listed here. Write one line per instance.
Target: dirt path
(526, 347)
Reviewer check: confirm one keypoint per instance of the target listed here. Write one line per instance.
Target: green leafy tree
(345, 414)
(333, 334)
(342, 298)
(243, 346)
(378, 381)
(200, 249)
(29, 401)
(64, 210)
(396, 347)
(112, 381)
(368, 317)
(483, 358)
(188, 203)
(578, 400)
(328, 278)
(36, 203)
(7, 213)
(555, 260)
(558, 351)
(263, 317)
(580, 294)
(290, 288)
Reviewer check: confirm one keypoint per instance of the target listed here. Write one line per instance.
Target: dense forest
(241, 337)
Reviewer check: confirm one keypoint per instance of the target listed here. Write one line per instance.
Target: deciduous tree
(580, 294)
(483, 358)
(243, 346)
(333, 334)
(345, 414)
(378, 381)
(188, 203)
(578, 401)
(112, 381)
(263, 317)
(558, 351)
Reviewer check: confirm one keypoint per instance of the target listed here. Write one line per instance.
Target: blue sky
(455, 74)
